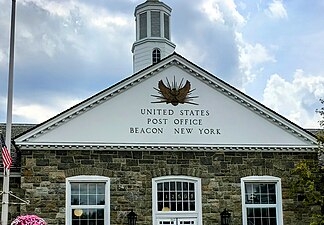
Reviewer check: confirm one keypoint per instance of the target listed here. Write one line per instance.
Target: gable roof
(125, 114)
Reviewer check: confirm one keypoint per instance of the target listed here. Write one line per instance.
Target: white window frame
(87, 179)
(260, 180)
(156, 215)
(155, 53)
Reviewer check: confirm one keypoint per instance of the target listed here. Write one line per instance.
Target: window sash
(156, 56)
(88, 193)
(270, 188)
(262, 216)
(176, 196)
(89, 216)
(97, 213)
(159, 216)
(260, 193)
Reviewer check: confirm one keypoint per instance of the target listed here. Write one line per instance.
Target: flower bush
(28, 220)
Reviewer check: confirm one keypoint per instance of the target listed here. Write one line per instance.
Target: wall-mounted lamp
(225, 217)
(132, 218)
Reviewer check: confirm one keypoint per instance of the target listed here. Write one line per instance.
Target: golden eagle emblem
(174, 94)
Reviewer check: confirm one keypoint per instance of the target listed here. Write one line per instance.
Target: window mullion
(261, 205)
(87, 206)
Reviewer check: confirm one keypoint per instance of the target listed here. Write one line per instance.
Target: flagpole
(5, 196)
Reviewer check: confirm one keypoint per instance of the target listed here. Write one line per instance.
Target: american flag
(6, 157)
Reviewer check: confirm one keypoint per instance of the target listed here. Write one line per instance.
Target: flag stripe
(6, 157)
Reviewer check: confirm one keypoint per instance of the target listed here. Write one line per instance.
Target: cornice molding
(191, 148)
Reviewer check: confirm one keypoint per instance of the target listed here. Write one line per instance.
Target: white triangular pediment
(133, 113)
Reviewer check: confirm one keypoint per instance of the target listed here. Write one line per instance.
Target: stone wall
(131, 173)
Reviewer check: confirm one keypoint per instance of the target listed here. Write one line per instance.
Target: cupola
(153, 36)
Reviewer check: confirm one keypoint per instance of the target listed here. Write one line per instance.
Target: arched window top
(167, 178)
(156, 55)
(87, 178)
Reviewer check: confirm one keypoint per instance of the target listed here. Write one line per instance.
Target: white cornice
(192, 148)
(152, 40)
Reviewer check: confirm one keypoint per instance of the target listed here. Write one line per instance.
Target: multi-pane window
(176, 196)
(176, 200)
(88, 195)
(261, 201)
(87, 201)
(156, 56)
(261, 194)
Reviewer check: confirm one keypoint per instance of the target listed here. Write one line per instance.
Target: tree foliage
(309, 179)
(321, 122)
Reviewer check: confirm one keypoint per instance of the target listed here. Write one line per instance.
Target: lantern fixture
(225, 217)
(132, 217)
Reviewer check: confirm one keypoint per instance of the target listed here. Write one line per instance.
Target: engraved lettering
(156, 121)
(209, 131)
(147, 130)
(187, 122)
(183, 130)
(157, 112)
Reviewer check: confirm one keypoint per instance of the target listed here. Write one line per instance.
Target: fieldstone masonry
(131, 173)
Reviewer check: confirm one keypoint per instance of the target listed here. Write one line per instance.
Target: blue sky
(68, 50)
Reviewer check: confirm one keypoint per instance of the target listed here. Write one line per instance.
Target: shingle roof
(16, 129)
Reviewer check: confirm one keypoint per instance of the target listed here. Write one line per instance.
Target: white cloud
(277, 10)
(33, 113)
(222, 11)
(250, 58)
(211, 8)
(58, 8)
(192, 52)
(37, 113)
(69, 27)
(106, 21)
(298, 99)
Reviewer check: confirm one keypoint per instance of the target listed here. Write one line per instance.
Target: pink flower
(28, 220)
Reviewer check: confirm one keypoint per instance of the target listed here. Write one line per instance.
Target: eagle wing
(165, 91)
(183, 92)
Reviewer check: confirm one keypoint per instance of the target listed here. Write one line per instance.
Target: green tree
(308, 181)
(321, 122)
